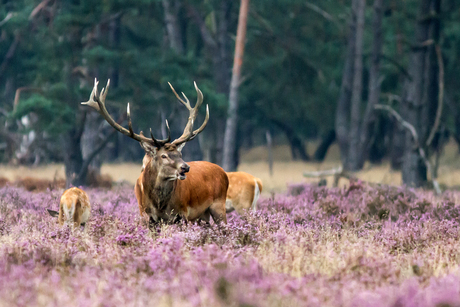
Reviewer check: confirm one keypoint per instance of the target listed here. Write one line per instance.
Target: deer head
(163, 156)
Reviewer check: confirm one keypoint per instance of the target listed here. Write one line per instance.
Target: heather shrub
(314, 246)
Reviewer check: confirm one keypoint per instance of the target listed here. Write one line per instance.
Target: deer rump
(201, 195)
(243, 192)
(74, 208)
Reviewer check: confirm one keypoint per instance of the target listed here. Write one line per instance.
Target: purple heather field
(313, 246)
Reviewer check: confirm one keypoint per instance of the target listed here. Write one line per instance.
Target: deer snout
(184, 168)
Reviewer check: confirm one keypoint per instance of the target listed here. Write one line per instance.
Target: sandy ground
(254, 161)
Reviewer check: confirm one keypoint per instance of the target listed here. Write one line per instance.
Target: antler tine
(186, 102)
(197, 131)
(160, 143)
(130, 124)
(169, 132)
(199, 94)
(188, 133)
(92, 101)
(153, 139)
(97, 102)
(104, 91)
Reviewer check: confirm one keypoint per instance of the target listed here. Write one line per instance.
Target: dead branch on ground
(337, 172)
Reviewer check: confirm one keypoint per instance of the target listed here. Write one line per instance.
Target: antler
(97, 102)
(188, 133)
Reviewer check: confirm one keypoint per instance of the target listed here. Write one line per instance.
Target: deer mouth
(181, 175)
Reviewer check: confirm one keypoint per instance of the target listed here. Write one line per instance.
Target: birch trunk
(353, 160)
(228, 162)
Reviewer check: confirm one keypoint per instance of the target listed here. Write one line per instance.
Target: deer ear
(149, 148)
(179, 148)
(53, 213)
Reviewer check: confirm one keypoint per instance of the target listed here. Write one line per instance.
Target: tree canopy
(295, 54)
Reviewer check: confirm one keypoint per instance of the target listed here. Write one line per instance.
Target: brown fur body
(74, 208)
(202, 194)
(243, 192)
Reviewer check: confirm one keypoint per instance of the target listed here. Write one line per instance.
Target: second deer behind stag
(243, 192)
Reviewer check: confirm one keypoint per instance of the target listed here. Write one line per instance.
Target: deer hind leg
(229, 206)
(206, 217)
(218, 211)
(77, 214)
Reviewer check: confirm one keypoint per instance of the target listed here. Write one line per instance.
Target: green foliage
(292, 68)
(53, 117)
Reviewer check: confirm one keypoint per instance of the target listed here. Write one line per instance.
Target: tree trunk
(378, 145)
(90, 139)
(73, 158)
(397, 145)
(343, 104)
(114, 39)
(268, 137)
(354, 157)
(232, 116)
(413, 168)
(171, 9)
(368, 122)
(327, 140)
(296, 144)
(456, 116)
(431, 90)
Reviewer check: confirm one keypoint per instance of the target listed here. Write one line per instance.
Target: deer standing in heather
(243, 192)
(74, 208)
(169, 189)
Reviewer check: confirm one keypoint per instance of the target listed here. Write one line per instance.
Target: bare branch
(205, 33)
(398, 66)
(324, 173)
(421, 151)
(440, 97)
(398, 117)
(7, 17)
(19, 90)
(337, 172)
(394, 97)
(322, 12)
(38, 8)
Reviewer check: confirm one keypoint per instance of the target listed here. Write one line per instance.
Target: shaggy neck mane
(160, 191)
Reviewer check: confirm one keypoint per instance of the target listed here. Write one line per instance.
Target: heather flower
(313, 246)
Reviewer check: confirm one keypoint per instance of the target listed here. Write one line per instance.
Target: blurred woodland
(379, 77)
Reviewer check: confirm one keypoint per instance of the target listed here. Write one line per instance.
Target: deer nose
(185, 167)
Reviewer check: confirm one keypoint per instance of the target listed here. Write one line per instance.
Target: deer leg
(206, 217)
(218, 211)
(153, 224)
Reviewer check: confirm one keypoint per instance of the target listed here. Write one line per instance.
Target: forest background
(379, 78)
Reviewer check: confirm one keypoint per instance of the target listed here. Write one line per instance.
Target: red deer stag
(243, 192)
(74, 208)
(164, 191)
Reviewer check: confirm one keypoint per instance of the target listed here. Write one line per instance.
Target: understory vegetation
(315, 246)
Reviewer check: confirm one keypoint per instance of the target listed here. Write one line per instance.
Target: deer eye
(164, 156)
